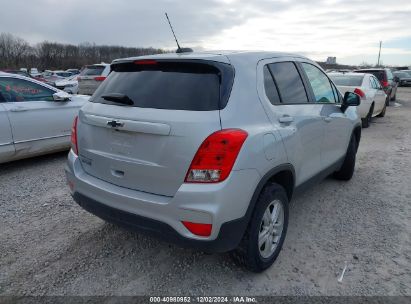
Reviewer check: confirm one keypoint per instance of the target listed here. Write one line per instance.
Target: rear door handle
(18, 109)
(286, 119)
(328, 119)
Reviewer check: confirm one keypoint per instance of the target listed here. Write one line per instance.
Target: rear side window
(389, 75)
(92, 70)
(191, 86)
(270, 88)
(289, 83)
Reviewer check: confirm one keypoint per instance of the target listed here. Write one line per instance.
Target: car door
(6, 137)
(379, 96)
(335, 122)
(38, 122)
(297, 121)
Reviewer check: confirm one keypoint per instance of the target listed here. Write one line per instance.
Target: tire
(387, 100)
(347, 169)
(367, 120)
(249, 254)
(382, 114)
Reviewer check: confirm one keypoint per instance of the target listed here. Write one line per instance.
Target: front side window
(19, 90)
(289, 83)
(320, 84)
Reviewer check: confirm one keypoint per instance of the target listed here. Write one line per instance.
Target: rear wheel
(347, 169)
(367, 120)
(382, 114)
(264, 237)
(387, 100)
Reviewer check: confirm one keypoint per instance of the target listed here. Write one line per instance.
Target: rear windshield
(92, 70)
(182, 85)
(379, 74)
(347, 80)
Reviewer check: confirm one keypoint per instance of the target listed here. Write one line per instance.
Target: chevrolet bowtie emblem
(115, 123)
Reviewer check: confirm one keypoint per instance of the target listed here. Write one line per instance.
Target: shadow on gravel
(27, 163)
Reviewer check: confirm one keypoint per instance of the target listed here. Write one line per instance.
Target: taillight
(99, 78)
(216, 156)
(385, 83)
(74, 145)
(198, 229)
(360, 92)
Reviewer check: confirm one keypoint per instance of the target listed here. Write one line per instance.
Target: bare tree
(16, 53)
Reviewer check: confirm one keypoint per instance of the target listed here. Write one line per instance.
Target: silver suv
(207, 149)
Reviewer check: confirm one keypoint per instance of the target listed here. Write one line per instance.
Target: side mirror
(61, 96)
(350, 100)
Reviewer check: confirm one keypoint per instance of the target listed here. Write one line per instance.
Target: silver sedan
(35, 118)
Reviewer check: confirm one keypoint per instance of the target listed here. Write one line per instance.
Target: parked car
(73, 71)
(368, 88)
(50, 77)
(91, 77)
(404, 78)
(182, 147)
(69, 85)
(387, 81)
(35, 118)
(34, 72)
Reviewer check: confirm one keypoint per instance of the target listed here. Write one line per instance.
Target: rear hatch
(145, 123)
(91, 77)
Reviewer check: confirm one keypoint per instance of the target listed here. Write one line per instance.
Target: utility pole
(379, 55)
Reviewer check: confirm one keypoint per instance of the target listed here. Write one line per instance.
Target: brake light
(385, 83)
(145, 62)
(99, 78)
(74, 145)
(198, 229)
(360, 92)
(216, 156)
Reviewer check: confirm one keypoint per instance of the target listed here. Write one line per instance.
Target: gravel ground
(50, 246)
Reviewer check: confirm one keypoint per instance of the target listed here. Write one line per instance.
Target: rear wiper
(118, 98)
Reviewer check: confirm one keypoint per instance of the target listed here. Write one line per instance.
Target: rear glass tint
(92, 70)
(174, 85)
(347, 80)
(289, 82)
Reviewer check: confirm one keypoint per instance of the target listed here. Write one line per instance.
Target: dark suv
(387, 81)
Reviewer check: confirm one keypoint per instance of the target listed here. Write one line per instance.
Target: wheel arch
(284, 175)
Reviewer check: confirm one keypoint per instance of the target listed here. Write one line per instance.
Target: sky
(347, 29)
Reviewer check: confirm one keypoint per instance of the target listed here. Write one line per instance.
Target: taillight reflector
(198, 229)
(99, 78)
(216, 156)
(74, 145)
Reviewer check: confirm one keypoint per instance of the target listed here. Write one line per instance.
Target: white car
(370, 90)
(91, 77)
(35, 118)
(69, 85)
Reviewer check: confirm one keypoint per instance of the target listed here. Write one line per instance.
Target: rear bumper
(224, 205)
(227, 239)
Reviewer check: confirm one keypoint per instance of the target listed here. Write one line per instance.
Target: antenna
(179, 49)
